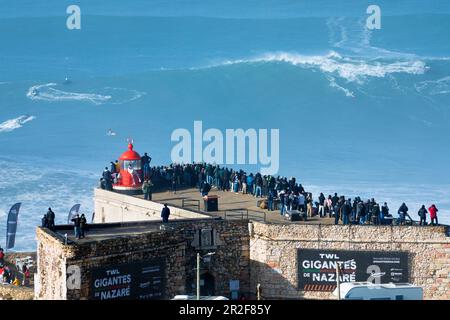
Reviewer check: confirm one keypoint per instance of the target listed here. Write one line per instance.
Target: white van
(370, 291)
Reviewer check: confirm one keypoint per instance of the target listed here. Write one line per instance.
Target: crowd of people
(48, 220)
(79, 222)
(279, 193)
(80, 225)
(7, 276)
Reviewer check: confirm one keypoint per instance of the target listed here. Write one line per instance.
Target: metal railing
(190, 203)
(245, 214)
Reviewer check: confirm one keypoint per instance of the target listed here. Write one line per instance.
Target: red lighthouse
(129, 179)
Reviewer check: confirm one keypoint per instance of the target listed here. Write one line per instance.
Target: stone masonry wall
(274, 247)
(231, 259)
(50, 278)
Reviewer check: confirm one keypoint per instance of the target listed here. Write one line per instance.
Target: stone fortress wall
(273, 254)
(177, 245)
(251, 252)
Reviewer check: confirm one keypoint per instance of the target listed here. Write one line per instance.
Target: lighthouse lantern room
(129, 179)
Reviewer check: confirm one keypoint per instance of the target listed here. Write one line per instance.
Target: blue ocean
(360, 112)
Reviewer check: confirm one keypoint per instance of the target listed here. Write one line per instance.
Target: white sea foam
(349, 68)
(16, 123)
(346, 91)
(352, 35)
(48, 92)
(39, 186)
(434, 87)
(123, 95)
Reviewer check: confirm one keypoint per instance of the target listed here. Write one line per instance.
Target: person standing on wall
(146, 189)
(423, 215)
(321, 205)
(145, 161)
(337, 212)
(433, 214)
(76, 224)
(270, 201)
(50, 219)
(83, 225)
(402, 211)
(165, 213)
(107, 178)
(346, 212)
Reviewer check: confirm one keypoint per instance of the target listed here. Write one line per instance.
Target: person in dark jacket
(360, 212)
(165, 213)
(76, 225)
(83, 226)
(44, 221)
(107, 178)
(101, 184)
(354, 205)
(346, 211)
(376, 213)
(321, 205)
(334, 200)
(283, 202)
(423, 215)
(402, 213)
(337, 212)
(270, 197)
(368, 210)
(112, 167)
(259, 184)
(206, 188)
(50, 219)
(145, 161)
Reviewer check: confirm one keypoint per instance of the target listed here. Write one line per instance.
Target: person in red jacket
(2, 256)
(433, 214)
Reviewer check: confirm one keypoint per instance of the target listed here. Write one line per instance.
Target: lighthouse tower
(129, 180)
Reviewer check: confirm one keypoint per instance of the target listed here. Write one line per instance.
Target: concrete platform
(105, 231)
(231, 205)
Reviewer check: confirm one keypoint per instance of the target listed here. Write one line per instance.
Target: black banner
(11, 225)
(139, 280)
(317, 268)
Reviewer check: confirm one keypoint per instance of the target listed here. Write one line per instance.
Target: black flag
(11, 227)
(73, 212)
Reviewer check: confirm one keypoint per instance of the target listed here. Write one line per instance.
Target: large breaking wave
(352, 69)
